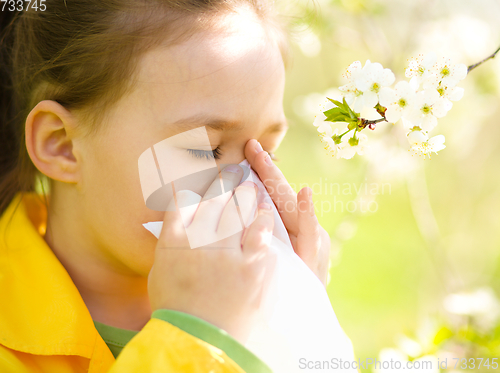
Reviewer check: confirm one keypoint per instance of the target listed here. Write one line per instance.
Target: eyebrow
(219, 124)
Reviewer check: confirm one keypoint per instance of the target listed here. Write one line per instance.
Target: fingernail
(264, 206)
(258, 148)
(268, 160)
(250, 184)
(233, 168)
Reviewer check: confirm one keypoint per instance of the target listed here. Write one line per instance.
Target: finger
(260, 232)
(173, 233)
(308, 239)
(213, 202)
(277, 186)
(188, 202)
(252, 148)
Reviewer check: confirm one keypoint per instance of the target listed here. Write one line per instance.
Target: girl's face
(230, 80)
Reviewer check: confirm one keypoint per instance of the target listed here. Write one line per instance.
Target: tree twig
(471, 67)
(369, 123)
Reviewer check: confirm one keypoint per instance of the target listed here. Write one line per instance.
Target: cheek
(115, 210)
(111, 180)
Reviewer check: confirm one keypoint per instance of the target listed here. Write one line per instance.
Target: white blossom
(354, 145)
(322, 125)
(420, 69)
(397, 101)
(449, 94)
(433, 145)
(334, 147)
(447, 73)
(349, 91)
(369, 86)
(417, 137)
(325, 128)
(365, 83)
(427, 108)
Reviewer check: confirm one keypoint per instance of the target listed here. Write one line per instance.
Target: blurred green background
(434, 226)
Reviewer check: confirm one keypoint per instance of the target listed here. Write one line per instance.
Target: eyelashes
(215, 154)
(206, 154)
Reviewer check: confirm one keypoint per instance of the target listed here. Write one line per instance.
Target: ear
(49, 130)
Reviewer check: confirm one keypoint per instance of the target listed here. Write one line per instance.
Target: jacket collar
(42, 312)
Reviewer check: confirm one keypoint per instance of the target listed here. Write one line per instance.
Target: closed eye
(206, 154)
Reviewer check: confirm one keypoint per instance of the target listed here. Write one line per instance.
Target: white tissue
(154, 227)
(296, 325)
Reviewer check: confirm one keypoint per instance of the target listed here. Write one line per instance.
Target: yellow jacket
(46, 327)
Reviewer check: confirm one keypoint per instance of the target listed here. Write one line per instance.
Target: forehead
(227, 70)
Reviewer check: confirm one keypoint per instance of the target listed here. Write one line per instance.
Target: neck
(113, 293)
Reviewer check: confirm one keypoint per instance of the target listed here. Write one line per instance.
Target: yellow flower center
(402, 102)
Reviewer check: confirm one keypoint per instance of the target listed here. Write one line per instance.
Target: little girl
(87, 86)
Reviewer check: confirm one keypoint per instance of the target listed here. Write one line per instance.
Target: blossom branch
(418, 102)
(371, 123)
(472, 67)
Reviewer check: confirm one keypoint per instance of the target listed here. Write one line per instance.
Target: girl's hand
(310, 241)
(222, 282)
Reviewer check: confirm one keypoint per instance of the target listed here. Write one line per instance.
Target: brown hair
(82, 53)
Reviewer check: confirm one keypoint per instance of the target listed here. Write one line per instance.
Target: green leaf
(334, 111)
(341, 113)
(337, 118)
(338, 103)
(352, 114)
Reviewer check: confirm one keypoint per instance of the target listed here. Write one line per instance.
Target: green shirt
(117, 338)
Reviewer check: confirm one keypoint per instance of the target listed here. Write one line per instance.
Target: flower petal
(404, 89)
(428, 122)
(456, 94)
(347, 152)
(449, 81)
(371, 99)
(441, 107)
(386, 78)
(363, 81)
(460, 71)
(387, 96)
(436, 143)
(406, 123)
(414, 83)
(393, 113)
(417, 137)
